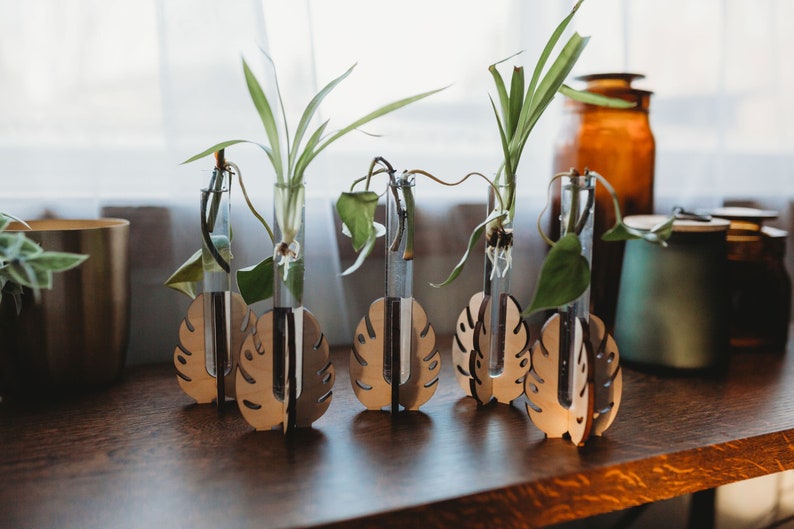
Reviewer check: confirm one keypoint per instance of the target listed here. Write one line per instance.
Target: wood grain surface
(142, 454)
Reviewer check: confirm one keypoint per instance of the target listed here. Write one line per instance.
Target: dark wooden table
(139, 454)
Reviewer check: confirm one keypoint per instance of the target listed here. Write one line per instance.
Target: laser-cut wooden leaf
(255, 396)
(607, 376)
(463, 344)
(189, 360)
(425, 362)
(367, 360)
(509, 385)
(542, 381)
(318, 374)
(580, 413)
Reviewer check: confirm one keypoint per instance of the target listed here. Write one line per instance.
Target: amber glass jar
(760, 287)
(618, 144)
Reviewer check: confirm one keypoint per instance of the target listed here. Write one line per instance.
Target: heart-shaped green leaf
(256, 282)
(564, 276)
(357, 211)
(187, 276)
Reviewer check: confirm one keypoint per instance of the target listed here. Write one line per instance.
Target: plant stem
(250, 204)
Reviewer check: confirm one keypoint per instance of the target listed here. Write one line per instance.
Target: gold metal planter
(75, 336)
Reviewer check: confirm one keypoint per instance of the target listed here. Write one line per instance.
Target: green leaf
(544, 57)
(382, 111)
(663, 231)
(619, 232)
(564, 276)
(473, 238)
(256, 282)
(548, 87)
(217, 147)
(187, 276)
(268, 120)
(504, 99)
(584, 96)
(25, 274)
(504, 141)
(365, 252)
(57, 261)
(305, 157)
(357, 211)
(16, 245)
(308, 114)
(516, 100)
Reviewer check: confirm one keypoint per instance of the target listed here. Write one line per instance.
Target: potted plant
(64, 327)
(24, 263)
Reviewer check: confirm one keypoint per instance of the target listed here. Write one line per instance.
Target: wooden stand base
(368, 357)
(471, 351)
(189, 355)
(256, 396)
(596, 382)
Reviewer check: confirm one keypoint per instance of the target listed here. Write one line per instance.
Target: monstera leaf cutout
(192, 374)
(318, 374)
(367, 360)
(542, 383)
(463, 344)
(607, 376)
(509, 385)
(255, 395)
(597, 382)
(580, 413)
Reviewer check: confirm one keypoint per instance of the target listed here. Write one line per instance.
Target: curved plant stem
(250, 204)
(452, 184)
(543, 235)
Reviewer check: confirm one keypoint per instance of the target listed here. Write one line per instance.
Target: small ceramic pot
(672, 301)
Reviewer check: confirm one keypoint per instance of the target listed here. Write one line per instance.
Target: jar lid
(647, 222)
(616, 84)
(617, 76)
(742, 213)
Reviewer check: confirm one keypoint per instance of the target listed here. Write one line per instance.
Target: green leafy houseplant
(519, 108)
(290, 155)
(23, 263)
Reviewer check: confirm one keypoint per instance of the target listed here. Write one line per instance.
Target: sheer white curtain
(102, 100)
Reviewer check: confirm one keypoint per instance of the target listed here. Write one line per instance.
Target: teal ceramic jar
(672, 306)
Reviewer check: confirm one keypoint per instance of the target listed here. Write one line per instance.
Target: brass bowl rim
(55, 225)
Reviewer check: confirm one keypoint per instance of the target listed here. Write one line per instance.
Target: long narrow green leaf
(547, 89)
(308, 114)
(280, 101)
(557, 73)
(268, 120)
(503, 139)
(213, 149)
(546, 53)
(363, 254)
(584, 96)
(391, 107)
(303, 159)
(473, 238)
(516, 99)
(501, 91)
